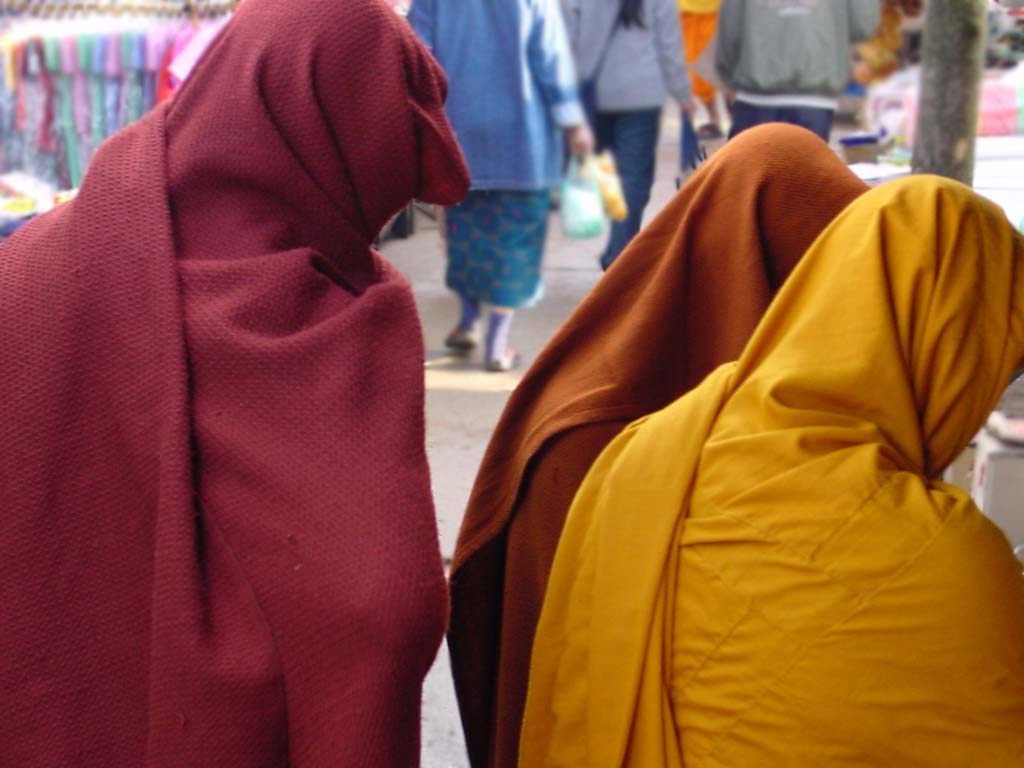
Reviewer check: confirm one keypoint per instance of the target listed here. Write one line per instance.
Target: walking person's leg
(499, 356)
(461, 275)
(746, 115)
(604, 131)
(604, 137)
(698, 31)
(517, 233)
(464, 336)
(814, 119)
(634, 145)
(713, 128)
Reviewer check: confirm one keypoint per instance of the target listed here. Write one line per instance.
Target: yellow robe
(768, 572)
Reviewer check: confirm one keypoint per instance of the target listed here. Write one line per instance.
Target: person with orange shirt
(699, 21)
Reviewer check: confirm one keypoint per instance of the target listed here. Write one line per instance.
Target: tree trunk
(952, 55)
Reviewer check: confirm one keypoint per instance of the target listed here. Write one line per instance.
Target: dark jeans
(633, 139)
(814, 119)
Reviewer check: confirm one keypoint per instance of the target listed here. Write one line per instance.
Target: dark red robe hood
(217, 531)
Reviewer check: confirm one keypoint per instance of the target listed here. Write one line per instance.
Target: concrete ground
(464, 402)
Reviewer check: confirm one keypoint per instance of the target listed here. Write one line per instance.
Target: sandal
(507, 362)
(709, 131)
(462, 342)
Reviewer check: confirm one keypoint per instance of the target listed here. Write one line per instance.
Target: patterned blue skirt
(495, 244)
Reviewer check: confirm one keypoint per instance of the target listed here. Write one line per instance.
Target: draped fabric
(218, 530)
(768, 571)
(682, 299)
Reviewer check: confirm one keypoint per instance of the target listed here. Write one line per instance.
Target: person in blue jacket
(513, 103)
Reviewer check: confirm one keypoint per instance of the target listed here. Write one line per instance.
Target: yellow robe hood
(768, 572)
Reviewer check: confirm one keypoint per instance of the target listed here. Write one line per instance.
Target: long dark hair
(631, 13)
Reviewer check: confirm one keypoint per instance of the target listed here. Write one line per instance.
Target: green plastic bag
(582, 210)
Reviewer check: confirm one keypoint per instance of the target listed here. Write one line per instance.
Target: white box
(997, 485)
(960, 472)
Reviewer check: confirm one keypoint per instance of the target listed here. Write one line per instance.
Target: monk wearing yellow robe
(769, 572)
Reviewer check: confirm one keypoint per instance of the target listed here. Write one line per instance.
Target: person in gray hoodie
(633, 51)
(788, 61)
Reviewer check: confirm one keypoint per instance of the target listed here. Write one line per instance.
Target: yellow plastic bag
(610, 185)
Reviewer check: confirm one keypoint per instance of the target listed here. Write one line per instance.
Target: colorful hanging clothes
(9, 136)
(97, 89)
(113, 83)
(157, 40)
(191, 49)
(39, 156)
(61, 56)
(78, 65)
(168, 83)
(72, 91)
(133, 61)
(45, 61)
(21, 69)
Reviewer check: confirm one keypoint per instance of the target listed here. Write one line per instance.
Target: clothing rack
(74, 73)
(63, 9)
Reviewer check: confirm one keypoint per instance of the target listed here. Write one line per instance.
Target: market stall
(75, 73)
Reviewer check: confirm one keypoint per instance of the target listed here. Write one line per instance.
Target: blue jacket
(512, 85)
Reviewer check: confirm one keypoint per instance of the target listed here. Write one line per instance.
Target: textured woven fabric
(218, 531)
(683, 298)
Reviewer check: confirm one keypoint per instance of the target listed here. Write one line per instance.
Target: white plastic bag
(582, 209)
